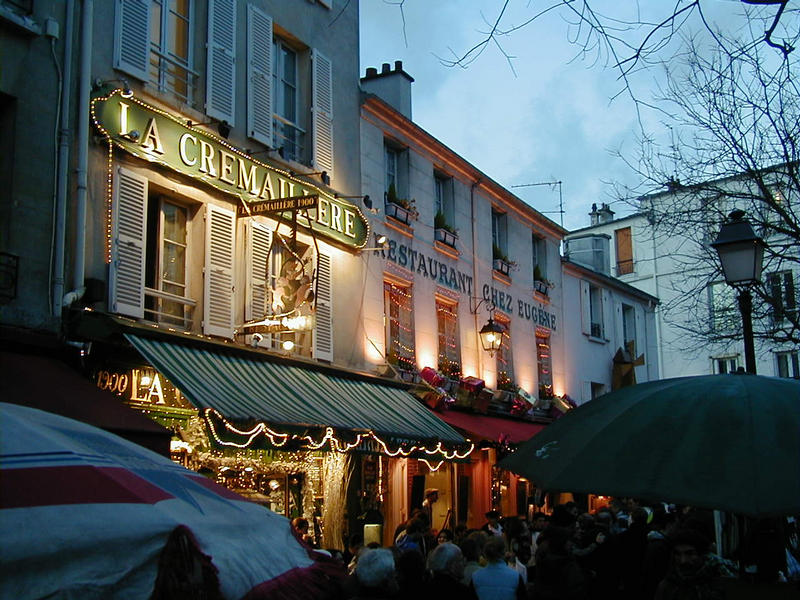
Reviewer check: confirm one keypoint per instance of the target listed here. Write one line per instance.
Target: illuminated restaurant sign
(155, 135)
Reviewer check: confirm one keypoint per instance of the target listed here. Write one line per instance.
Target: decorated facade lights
(335, 443)
(431, 468)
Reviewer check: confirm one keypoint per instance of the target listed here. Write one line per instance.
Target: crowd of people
(624, 551)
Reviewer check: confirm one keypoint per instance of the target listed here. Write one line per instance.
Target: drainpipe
(84, 87)
(62, 162)
(472, 201)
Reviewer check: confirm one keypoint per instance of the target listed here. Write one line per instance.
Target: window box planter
(398, 212)
(446, 237)
(541, 287)
(502, 266)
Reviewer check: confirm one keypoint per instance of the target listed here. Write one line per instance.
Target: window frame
(161, 52)
(787, 364)
(403, 355)
(504, 355)
(629, 326)
(447, 309)
(784, 296)
(624, 241)
(297, 144)
(500, 231)
(596, 312)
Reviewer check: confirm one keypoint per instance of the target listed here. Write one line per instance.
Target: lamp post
(491, 336)
(741, 253)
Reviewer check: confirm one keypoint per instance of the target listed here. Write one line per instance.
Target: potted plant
(540, 283)
(399, 208)
(500, 261)
(443, 231)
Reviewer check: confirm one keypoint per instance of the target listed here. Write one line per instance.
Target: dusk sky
(544, 116)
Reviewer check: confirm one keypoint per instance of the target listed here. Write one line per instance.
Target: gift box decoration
(430, 376)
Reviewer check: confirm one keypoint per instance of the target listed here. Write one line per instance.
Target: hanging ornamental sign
(157, 136)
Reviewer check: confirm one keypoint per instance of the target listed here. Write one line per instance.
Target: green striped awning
(243, 387)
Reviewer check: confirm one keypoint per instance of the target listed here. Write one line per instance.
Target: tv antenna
(552, 184)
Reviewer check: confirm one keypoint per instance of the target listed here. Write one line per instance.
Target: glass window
(443, 198)
(725, 364)
(399, 322)
(596, 311)
(449, 347)
(391, 163)
(724, 312)
(291, 283)
(287, 133)
(499, 235)
(788, 364)
(629, 328)
(544, 362)
(170, 47)
(784, 301)
(165, 274)
(539, 248)
(623, 242)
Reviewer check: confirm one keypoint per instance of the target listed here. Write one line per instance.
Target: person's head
(689, 548)
(470, 549)
(562, 517)
(493, 516)
(300, 525)
(540, 521)
(615, 506)
(445, 535)
(572, 508)
(418, 525)
(431, 495)
(558, 539)
(480, 538)
(375, 568)
(447, 559)
(355, 542)
(494, 549)
(639, 516)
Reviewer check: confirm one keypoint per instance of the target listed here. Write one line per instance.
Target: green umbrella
(727, 442)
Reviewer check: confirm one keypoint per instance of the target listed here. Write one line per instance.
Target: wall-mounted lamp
(491, 336)
(365, 199)
(288, 345)
(222, 126)
(323, 175)
(126, 89)
(382, 244)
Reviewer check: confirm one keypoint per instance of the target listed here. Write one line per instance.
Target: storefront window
(398, 317)
(505, 363)
(449, 351)
(292, 293)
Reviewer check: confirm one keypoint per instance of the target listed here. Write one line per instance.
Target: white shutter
(640, 332)
(132, 38)
(218, 296)
(323, 328)
(221, 66)
(586, 310)
(619, 326)
(126, 272)
(322, 112)
(259, 240)
(259, 76)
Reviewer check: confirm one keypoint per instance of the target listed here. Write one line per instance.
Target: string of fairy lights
(448, 354)
(401, 326)
(329, 440)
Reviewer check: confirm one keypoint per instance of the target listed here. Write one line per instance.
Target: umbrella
(726, 442)
(87, 514)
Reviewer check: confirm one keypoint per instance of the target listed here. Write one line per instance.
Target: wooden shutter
(322, 112)
(259, 240)
(323, 328)
(624, 249)
(221, 67)
(586, 308)
(126, 272)
(259, 76)
(218, 293)
(132, 38)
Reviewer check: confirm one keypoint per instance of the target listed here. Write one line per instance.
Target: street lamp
(491, 336)
(741, 253)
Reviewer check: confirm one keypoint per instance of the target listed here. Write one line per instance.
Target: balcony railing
(169, 309)
(289, 138)
(624, 267)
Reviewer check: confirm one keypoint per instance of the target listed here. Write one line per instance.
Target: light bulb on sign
(288, 345)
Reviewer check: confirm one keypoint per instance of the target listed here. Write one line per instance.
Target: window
(623, 242)
(724, 311)
(395, 174)
(165, 264)
(597, 390)
(170, 47)
(787, 364)
(539, 248)
(725, 364)
(545, 366)
(629, 328)
(443, 198)
(399, 322)
(784, 301)
(499, 235)
(287, 133)
(449, 347)
(505, 363)
(596, 311)
(391, 162)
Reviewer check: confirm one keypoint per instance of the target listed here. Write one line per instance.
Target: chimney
(594, 215)
(393, 86)
(605, 214)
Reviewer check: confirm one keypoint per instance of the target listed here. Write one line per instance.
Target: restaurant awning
(250, 387)
(51, 385)
(492, 428)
